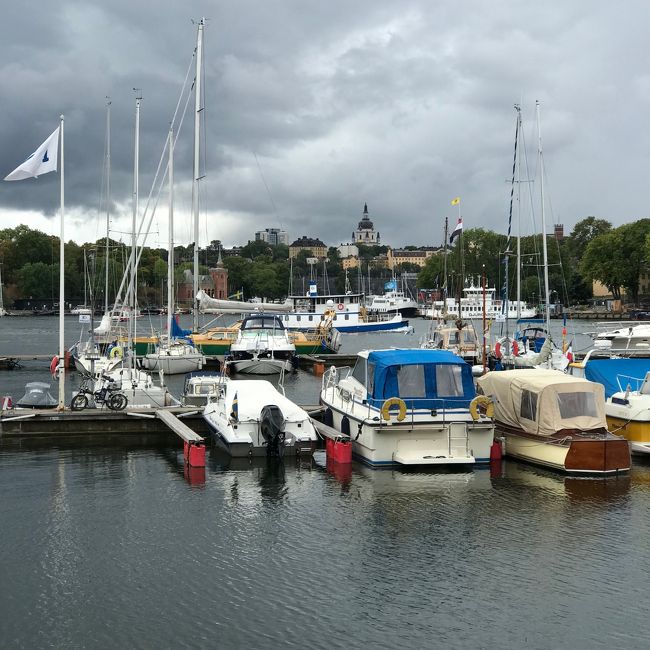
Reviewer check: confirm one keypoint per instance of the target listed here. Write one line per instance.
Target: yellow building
(397, 256)
(315, 247)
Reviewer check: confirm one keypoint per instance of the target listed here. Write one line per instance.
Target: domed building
(365, 233)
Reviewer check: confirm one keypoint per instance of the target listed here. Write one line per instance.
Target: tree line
(594, 250)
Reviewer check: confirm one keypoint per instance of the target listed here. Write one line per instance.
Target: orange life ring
(341, 306)
(54, 364)
(514, 346)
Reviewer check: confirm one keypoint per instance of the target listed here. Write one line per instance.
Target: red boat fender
(496, 452)
(54, 364)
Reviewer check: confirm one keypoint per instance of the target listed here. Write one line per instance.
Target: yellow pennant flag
(455, 201)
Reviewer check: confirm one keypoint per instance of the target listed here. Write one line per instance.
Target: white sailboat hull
(172, 364)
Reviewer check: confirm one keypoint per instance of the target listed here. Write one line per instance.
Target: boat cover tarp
(252, 395)
(217, 304)
(457, 391)
(616, 374)
(532, 400)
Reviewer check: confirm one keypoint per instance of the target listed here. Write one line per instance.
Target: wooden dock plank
(178, 427)
(329, 432)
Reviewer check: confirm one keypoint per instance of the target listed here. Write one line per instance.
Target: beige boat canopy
(544, 401)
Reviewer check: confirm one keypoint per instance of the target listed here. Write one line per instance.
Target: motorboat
(408, 407)
(200, 387)
(555, 420)
(393, 300)
(629, 339)
(175, 357)
(628, 412)
(262, 347)
(458, 337)
(251, 417)
(626, 380)
(37, 396)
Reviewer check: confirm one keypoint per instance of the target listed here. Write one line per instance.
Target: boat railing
(627, 379)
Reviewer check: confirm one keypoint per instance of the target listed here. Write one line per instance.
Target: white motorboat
(200, 387)
(432, 390)
(251, 418)
(174, 358)
(629, 339)
(263, 347)
(628, 412)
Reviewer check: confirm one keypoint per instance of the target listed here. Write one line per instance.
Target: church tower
(365, 233)
(219, 279)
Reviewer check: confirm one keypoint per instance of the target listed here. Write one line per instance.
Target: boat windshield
(359, 371)
(575, 405)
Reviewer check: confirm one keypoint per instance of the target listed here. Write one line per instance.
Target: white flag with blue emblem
(42, 161)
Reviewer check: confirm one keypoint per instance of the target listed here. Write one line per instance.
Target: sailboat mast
(132, 260)
(108, 198)
(196, 171)
(518, 109)
(444, 279)
(170, 255)
(544, 243)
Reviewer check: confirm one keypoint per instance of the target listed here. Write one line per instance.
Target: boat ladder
(458, 439)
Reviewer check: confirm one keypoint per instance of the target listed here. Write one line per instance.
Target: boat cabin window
(468, 336)
(410, 381)
(449, 381)
(371, 378)
(359, 371)
(263, 324)
(573, 405)
(528, 408)
(204, 389)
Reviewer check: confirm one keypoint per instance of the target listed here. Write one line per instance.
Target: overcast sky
(313, 108)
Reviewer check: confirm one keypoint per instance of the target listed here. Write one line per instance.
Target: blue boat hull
(372, 327)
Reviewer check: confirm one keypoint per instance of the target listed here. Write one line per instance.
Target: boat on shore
(251, 417)
(407, 407)
(555, 420)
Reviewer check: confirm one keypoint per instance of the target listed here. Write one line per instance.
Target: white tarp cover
(544, 401)
(240, 306)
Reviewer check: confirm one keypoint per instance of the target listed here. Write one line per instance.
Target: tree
(583, 233)
(430, 277)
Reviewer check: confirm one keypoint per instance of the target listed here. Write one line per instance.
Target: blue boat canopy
(423, 378)
(616, 374)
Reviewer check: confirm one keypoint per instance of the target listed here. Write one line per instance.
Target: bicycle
(107, 394)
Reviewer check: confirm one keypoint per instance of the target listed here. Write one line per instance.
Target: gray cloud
(403, 105)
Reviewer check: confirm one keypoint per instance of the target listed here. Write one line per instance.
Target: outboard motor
(272, 429)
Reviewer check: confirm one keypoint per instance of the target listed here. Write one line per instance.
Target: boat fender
(393, 401)
(513, 344)
(54, 364)
(341, 306)
(481, 401)
(116, 352)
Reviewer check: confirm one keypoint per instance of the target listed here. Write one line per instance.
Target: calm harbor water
(120, 547)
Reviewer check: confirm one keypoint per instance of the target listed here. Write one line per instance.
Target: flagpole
(61, 406)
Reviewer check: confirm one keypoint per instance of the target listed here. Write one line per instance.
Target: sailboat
(510, 352)
(173, 355)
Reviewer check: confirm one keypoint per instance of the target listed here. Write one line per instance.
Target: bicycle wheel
(117, 401)
(79, 402)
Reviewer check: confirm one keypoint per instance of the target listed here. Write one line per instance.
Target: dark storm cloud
(403, 105)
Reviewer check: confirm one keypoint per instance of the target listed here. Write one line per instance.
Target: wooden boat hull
(598, 455)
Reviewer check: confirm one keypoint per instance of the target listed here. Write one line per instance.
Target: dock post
(194, 453)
